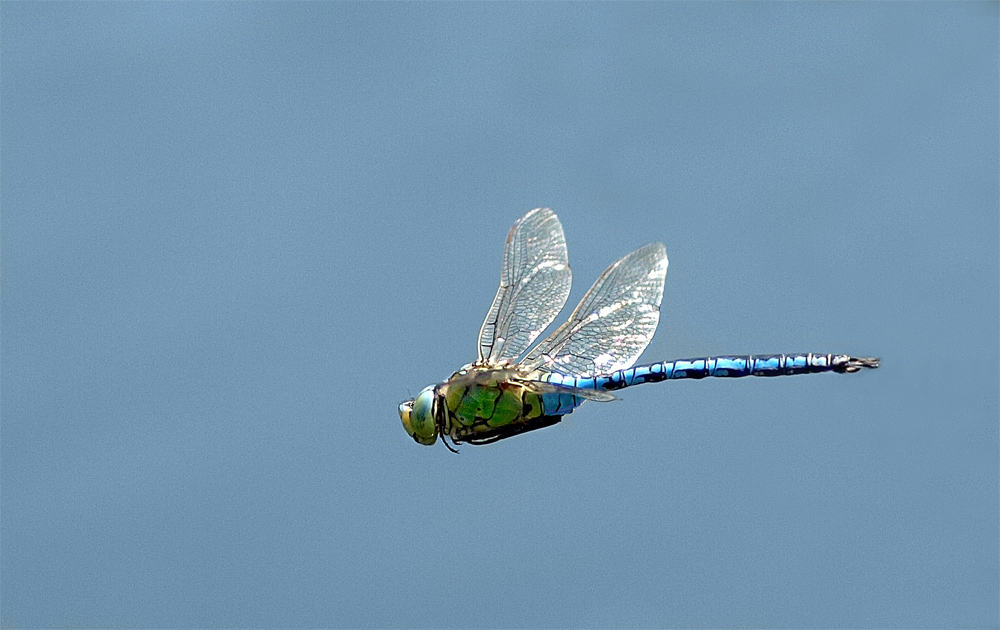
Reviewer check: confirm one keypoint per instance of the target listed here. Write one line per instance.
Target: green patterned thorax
(480, 401)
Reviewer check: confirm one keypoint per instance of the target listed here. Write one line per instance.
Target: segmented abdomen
(727, 366)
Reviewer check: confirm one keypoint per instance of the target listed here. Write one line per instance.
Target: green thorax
(481, 400)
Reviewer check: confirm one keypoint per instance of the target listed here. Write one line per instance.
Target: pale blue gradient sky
(235, 236)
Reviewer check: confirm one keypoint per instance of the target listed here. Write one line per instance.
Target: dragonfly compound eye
(418, 417)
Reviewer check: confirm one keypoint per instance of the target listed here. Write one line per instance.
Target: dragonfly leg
(444, 440)
(511, 430)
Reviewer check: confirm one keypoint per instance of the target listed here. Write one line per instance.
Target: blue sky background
(235, 236)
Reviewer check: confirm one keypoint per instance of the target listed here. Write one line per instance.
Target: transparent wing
(534, 285)
(614, 322)
(540, 387)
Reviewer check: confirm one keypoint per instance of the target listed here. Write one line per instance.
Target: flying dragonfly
(511, 390)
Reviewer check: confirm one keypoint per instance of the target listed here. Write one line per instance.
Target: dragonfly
(513, 388)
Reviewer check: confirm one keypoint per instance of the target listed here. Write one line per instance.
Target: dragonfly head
(418, 416)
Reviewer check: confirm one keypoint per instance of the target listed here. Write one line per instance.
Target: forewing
(534, 284)
(614, 322)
